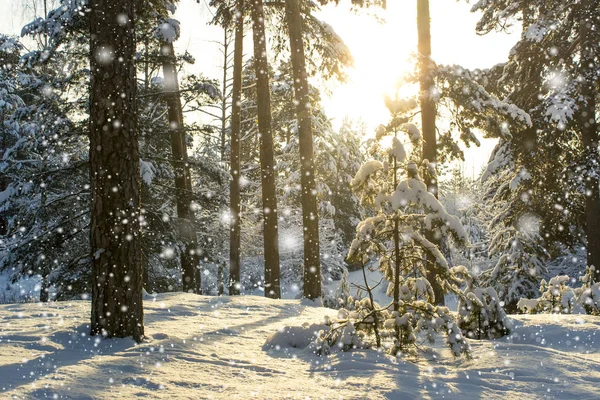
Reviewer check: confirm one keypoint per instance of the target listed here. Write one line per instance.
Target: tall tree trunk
(183, 182)
(428, 114)
(4, 180)
(224, 96)
(146, 65)
(269, 199)
(589, 133)
(234, 188)
(310, 214)
(527, 95)
(397, 258)
(44, 268)
(115, 234)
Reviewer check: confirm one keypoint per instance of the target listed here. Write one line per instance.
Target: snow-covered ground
(201, 347)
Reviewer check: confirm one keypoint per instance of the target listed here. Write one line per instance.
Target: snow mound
(293, 336)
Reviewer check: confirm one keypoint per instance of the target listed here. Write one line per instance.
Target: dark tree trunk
(310, 215)
(183, 182)
(146, 273)
(220, 274)
(589, 133)
(4, 181)
(269, 199)
(44, 292)
(115, 235)
(234, 188)
(428, 114)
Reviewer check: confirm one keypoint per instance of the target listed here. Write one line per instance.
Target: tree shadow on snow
(59, 349)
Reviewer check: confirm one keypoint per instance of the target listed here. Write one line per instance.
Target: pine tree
(310, 215)
(234, 196)
(168, 31)
(117, 308)
(269, 198)
(428, 115)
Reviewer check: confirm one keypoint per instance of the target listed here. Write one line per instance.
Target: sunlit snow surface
(201, 347)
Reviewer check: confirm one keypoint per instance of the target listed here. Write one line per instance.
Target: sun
(385, 52)
(382, 52)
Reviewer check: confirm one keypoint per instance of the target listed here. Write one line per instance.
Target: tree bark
(397, 258)
(4, 180)
(223, 138)
(589, 133)
(428, 115)
(44, 289)
(526, 95)
(234, 188)
(146, 273)
(183, 182)
(269, 199)
(115, 234)
(310, 214)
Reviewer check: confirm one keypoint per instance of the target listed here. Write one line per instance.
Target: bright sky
(381, 51)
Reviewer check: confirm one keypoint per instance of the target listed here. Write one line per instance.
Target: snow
(413, 132)
(536, 32)
(414, 192)
(399, 106)
(366, 170)
(105, 55)
(561, 109)
(501, 157)
(523, 175)
(397, 150)
(147, 172)
(168, 30)
(216, 347)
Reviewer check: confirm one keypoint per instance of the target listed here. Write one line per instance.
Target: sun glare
(382, 53)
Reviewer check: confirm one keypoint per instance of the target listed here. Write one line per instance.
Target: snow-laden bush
(520, 265)
(342, 295)
(366, 324)
(480, 311)
(559, 298)
(293, 336)
(481, 316)
(588, 295)
(556, 298)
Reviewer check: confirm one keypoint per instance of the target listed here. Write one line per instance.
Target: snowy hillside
(201, 347)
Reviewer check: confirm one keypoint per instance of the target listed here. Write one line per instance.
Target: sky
(381, 52)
